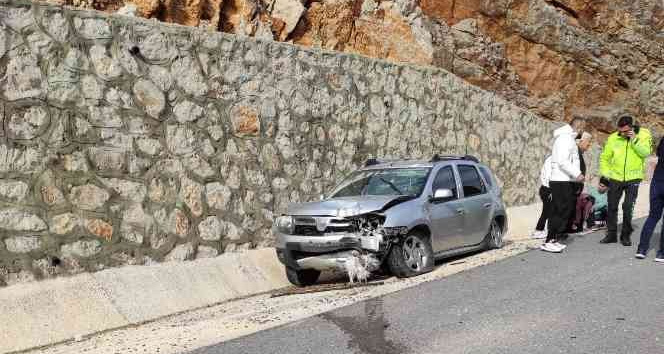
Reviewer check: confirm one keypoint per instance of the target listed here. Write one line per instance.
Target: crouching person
(599, 195)
(591, 207)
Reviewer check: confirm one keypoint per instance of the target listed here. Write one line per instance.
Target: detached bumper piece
(327, 261)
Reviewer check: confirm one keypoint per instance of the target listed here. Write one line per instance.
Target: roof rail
(371, 162)
(471, 158)
(437, 158)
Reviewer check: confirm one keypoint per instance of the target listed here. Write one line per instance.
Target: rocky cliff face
(557, 58)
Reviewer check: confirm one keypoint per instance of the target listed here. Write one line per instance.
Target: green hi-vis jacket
(624, 160)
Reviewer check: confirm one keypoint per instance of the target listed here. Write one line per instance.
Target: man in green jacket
(623, 163)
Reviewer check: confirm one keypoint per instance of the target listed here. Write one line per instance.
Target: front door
(446, 216)
(477, 203)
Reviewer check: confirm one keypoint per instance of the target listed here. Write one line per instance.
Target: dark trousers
(545, 195)
(616, 190)
(563, 198)
(655, 214)
(578, 189)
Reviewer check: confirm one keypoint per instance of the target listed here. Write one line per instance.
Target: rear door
(446, 216)
(477, 204)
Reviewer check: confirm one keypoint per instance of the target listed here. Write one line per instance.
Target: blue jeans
(655, 214)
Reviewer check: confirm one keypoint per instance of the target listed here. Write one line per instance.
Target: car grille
(321, 225)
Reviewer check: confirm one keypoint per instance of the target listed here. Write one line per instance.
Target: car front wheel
(302, 277)
(411, 257)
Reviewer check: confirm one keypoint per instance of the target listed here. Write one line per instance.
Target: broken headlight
(395, 231)
(285, 224)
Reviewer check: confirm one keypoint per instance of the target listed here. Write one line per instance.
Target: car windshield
(395, 181)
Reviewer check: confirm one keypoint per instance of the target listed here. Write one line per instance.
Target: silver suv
(396, 215)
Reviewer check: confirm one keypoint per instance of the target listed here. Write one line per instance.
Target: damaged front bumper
(328, 261)
(328, 252)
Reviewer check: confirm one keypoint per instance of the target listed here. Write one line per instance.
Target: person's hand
(581, 178)
(630, 134)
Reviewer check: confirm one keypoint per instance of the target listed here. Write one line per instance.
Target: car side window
(487, 176)
(445, 180)
(471, 181)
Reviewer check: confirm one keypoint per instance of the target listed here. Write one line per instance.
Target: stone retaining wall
(127, 141)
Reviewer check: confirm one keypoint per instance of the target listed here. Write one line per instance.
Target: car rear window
(471, 181)
(487, 175)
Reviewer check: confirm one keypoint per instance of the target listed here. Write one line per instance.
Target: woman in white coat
(565, 170)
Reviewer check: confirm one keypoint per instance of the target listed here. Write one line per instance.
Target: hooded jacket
(565, 163)
(624, 160)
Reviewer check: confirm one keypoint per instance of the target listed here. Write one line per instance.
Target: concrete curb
(42, 313)
(52, 311)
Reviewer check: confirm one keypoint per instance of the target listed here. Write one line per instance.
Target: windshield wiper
(391, 185)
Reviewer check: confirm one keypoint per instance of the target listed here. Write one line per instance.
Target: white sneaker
(640, 256)
(560, 245)
(659, 260)
(550, 247)
(538, 234)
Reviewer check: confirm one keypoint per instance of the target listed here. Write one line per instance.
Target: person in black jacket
(656, 208)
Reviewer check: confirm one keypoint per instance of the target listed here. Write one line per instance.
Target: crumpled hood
(346, 206)
(565, 129)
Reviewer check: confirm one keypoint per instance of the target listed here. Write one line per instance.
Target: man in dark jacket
(656, 208)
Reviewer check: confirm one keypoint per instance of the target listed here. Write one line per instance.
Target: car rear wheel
(302, 277)
(494, 239)
(411, 257)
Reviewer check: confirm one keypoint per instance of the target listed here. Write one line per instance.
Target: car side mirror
(321, 197)
(441, 194)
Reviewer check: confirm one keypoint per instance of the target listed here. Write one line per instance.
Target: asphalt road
(590, 299)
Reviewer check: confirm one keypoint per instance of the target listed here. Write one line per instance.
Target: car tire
(302, 277)
(494, 238)
(412, 256)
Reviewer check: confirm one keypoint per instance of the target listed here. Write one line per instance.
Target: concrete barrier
(52, 311)
(142, 294)
(41, 313)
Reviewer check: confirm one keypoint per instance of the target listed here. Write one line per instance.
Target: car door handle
(461, 211)
(487, 205)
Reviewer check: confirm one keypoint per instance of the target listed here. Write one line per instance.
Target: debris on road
(323, 287)
(359, 267)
